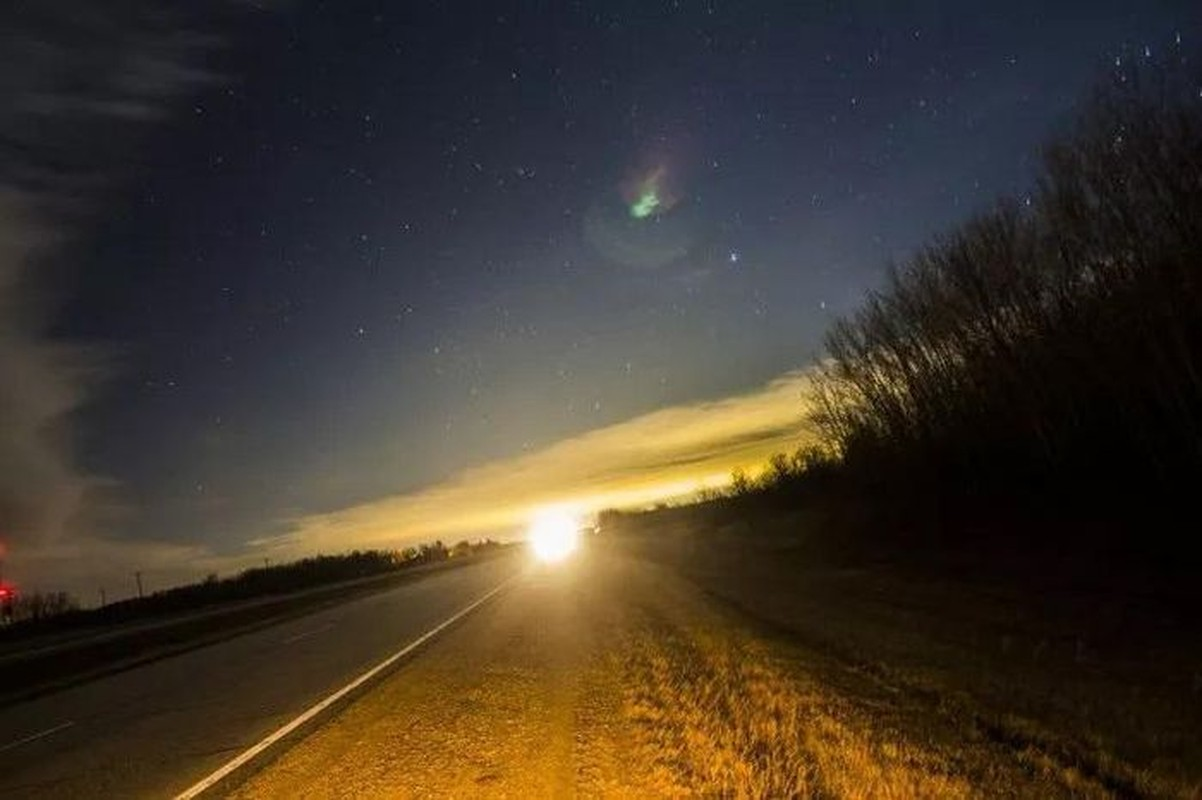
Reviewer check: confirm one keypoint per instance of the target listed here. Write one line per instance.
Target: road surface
(154, 730)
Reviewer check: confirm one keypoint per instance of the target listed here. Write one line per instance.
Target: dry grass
(720, 716)
(1092, 692)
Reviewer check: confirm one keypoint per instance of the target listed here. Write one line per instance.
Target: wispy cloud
(653, 457)
(81, 81)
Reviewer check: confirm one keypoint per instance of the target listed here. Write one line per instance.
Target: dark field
(1094, 684)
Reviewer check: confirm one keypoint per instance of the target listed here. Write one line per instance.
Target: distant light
(735, 256)
(554, 535)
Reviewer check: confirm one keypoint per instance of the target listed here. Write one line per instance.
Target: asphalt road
(524, 699)
(154, 730)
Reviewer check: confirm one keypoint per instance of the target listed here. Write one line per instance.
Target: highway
(611, 676)
(608, 675)
(155, 730)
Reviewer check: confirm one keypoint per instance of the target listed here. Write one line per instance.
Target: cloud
(80, 82)
(653, 457)
(38, 487)
(83, 565)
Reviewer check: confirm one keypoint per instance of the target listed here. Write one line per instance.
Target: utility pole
(103, 600)
(138, 578)
(266, 563)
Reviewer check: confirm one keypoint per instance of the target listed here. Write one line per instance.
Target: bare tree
(1058, 339)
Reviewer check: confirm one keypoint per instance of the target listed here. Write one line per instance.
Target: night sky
(351, 249)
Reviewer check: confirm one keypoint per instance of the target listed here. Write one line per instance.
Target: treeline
(1033, 376)
(246, 585)
(785, 479)
(1049, 350)
(278, 579)
(35, 606)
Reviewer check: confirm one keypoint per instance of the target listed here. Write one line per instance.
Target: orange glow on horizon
(661, 456)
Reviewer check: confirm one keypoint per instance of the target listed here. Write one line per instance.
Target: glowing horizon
(663, 455)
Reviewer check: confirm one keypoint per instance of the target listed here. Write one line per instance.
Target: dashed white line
(252, 752)
(298, 637)
(40, 735)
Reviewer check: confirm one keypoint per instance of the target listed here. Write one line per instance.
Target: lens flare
(554, 535)
(649, 194)
(646, 205)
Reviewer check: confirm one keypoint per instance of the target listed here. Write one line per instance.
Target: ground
(613, 676)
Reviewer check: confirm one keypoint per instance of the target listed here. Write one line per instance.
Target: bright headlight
(554, 535)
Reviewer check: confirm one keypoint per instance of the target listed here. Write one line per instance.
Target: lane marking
(298, 637)
(62, 726)
(250, 753)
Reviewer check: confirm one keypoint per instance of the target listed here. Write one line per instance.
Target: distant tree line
(784, 477)
(39, 611)
(38, 605)
(281, 578)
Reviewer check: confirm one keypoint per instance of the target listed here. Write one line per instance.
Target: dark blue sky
(384, 241)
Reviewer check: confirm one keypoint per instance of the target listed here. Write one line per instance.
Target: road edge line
(252, 752)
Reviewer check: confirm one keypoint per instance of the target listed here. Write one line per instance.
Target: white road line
(251, 753)
(307, 634)
(34, 737)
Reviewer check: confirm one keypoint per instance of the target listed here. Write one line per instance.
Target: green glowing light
(646, 205)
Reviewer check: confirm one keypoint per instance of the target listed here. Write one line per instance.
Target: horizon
(589, 473)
